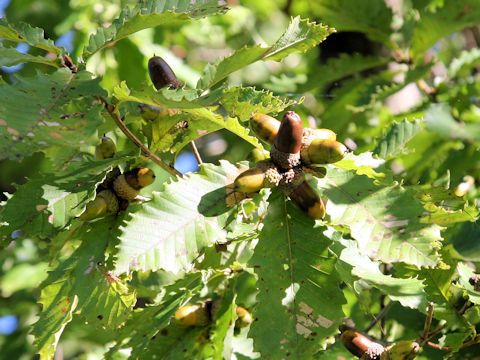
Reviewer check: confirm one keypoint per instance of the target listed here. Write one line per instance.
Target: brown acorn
(323, 151)
(244, 317)
(308, 200)
(361, 345)
(127, 186)
(265, 127)
(162, 74)
(264, 174)
(290, 133)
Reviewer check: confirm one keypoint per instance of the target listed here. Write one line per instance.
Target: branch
(379, 316)
(146, 151)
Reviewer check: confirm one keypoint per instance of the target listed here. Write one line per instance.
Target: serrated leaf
(24, 33)
(439, 119)
(11, 57)
(243, 102)
(338, 68)
(300, 36)
(372, 17)
(200, 117)
(466, 273)
(394, 141)
(45, 205)
(299, 301)
(462, 65)
(434, 24)
(79, 283)
(409, 292)
(148, 14)
(383, 218)
(170, 231)
(49, 110)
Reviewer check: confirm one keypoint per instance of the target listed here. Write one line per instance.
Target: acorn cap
(123, 189)
(308, 200)
(290, 133)
(162, 74)
(284, 160)
(265, 127)
(264, 174)
(106, 149)
(291, 179)
(323, 151)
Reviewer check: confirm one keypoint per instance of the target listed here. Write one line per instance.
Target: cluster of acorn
(204, 313)
(117, 190)
(294, 149)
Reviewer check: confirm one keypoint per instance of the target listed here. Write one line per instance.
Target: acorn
(311, 134)
(285, 150)
(150, 112)
(308, 200)
(257, 155)
(128, 185)
(192, 315)
(264, 174)
(105, 203)
(361, 345)
(402, 350)
(106, 149)
(265, 127)
(162, 74)
(244, 317)
(323, 151)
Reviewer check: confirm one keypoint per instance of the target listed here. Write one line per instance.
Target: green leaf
(339, 68)
(11, 57)
(383, 218)
(200, 117)
(463, 65)
(299, 300)
(466, 273)
(243, 102)
(49, 110)
(171, 230)
(434, 24)
(82, 284)
(299, 37)
(372, 17)
(24, 33)
(149, 14)
(394, 141)
(47, 204)
(439, 119)
(409, 292)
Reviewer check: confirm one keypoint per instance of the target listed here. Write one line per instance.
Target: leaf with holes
(295, 269)
(54, 110)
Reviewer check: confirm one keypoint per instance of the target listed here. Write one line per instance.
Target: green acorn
(264, 174)
(323, 151)
(105, 203)
(402, 350)
(106, 149)
(265, 127)
(162, 74)
(308, 200)
(257, 155)
(192, 315)
(244, 317)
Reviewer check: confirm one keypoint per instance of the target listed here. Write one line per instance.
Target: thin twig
(146, 151)
(196, 153)
(428, 323)
(380, 315)
(435, 332)
(471, 342)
